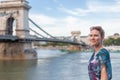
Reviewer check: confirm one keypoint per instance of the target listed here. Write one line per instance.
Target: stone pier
(16, 51)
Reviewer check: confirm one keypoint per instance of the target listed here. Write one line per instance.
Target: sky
(60, 17)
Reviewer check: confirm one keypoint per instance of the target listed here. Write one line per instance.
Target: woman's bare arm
(104, 75)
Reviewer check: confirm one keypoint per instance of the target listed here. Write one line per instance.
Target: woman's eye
(96, 35)
(90, 35)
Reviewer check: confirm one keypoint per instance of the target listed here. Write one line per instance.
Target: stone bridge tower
(14, 18)
(75, 36)
(14, 22)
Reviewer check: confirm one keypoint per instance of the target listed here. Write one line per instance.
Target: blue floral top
(96, 62)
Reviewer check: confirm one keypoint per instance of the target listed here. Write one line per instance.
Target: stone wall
(15, 50)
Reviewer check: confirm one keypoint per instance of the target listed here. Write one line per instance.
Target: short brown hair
(100, 29)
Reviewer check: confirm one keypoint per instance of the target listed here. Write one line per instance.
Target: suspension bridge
(16, 45)
(37, 38)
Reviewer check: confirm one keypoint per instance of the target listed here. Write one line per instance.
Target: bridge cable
(37, 33)
(41, 28)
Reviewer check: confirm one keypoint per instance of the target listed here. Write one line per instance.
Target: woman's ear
(102, 37)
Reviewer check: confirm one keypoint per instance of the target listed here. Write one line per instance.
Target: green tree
(112, 41)
(108, 42)
(117, 42)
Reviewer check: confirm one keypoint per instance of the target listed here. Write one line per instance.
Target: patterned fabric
(96, 62)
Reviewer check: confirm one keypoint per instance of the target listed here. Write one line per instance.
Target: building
(115, 36)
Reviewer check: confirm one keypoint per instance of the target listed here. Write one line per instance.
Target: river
(54, 65)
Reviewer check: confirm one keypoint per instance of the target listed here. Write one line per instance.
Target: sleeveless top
(96, 62)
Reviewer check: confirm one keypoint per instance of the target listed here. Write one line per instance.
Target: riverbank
(62, 48)
(113, 48)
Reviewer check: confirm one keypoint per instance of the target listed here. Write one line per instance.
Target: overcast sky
(60, 17)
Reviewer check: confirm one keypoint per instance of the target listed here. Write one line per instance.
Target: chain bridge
(15, 37)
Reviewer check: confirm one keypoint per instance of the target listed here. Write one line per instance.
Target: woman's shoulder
(104, 52)
(103, 55)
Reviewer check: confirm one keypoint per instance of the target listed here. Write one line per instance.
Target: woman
(99, 64)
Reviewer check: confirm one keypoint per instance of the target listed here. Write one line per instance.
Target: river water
(54, 65)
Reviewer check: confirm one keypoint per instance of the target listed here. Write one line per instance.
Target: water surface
(54, 65)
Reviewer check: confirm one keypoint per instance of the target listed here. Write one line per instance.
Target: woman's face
(95, 38)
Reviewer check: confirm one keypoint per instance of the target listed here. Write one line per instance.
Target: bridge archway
(9, 27)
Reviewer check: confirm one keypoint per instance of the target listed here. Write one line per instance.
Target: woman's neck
(97, 48)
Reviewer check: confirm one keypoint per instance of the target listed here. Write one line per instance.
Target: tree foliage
(112, 41)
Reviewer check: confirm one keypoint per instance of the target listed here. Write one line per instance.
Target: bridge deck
(8, 38)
